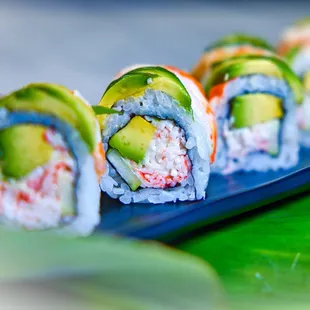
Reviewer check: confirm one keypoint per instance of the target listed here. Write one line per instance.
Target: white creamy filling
(166, 163)
(40, 199)
(260, 137)
(303, 113)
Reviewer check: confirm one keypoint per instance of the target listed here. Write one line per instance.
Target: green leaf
(99, 110)
(104, 272)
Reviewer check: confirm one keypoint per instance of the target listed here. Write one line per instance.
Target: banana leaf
(44, 271)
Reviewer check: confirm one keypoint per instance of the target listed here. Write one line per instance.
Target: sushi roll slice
(227, 47)
(295, 47)
(160, 139)
(254, 100)
(51, 160)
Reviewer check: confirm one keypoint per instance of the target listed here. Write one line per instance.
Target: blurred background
(82, 44)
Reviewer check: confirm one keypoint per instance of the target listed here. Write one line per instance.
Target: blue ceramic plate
(226, 196)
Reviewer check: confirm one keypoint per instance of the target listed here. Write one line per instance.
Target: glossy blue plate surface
(226, 196)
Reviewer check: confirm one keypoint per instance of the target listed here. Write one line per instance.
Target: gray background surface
(82, 44)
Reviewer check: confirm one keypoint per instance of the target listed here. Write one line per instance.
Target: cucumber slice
(123, 169)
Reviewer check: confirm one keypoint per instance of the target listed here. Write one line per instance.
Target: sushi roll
(227, 47)
(254, 100)
(295, 47)
(51, 161)
(160, 139)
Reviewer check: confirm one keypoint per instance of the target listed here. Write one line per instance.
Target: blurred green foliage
(42, 271)
(263, 261)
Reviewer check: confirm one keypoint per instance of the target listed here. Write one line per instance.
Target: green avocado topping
(58, 101)
(249, 65)
(241, 39)
(135, 83)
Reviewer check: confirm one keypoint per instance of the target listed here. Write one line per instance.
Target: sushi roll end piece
(51, 160)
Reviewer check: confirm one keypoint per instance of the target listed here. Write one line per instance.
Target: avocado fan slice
(58, 101)
(249, 65)
(240, 39)
(135, 83)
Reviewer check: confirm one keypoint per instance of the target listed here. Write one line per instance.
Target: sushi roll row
(157, 133)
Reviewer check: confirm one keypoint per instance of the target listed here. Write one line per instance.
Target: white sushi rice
(88, 201)
(227, 159)
(161, 106)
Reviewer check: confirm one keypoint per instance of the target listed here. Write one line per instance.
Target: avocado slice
(55, 100)
(306, 81)
(123, 169)
(135, 82)
(240, 39)
(134, 139)
(22, 149)
(251, 109)
(249, 65)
